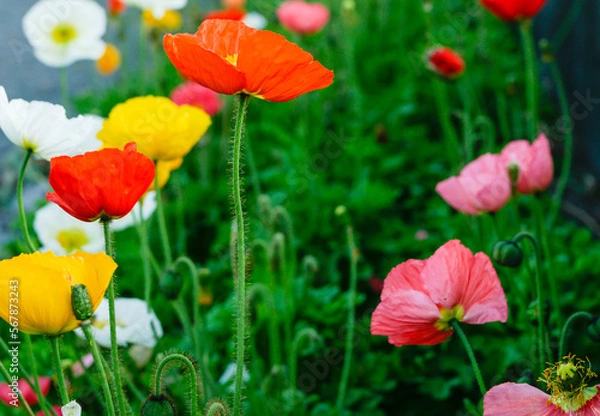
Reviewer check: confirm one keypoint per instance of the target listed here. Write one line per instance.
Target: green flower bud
(593, 329)
(81, 302)
(171, 283)
(158, 406)
(533, 311)
(507, 253)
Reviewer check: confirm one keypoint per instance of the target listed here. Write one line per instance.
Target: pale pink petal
(408, 318)
(541, 166)
(404, 276)
(495, 194)
(511, 399)
(452, 191)
(483, 299)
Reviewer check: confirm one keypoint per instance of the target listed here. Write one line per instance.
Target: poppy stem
(311, 335)
(189, 365)
(114, 350)
(443, 109)
(239, 266)
(469, 350)
(351, 319)
(62, 385)
(162, 224)
(217, 409)
(4, 372)
(540, 296)
(530, 75)
(85, 326)
(565, 330)
(64, 89)
(30, 246)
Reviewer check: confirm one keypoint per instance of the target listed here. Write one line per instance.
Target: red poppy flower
(421, 297)
(102, 184)
(230, 58)
(514, 9)
(229, 14)
(115, 6)
(8, 394)
(445, 62)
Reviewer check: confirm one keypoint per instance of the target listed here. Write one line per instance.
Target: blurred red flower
(445, 62)
(199, 96)
(421, 297)
(101, 184)
(115, 6)
(536, 168)
(514, 9)
(229, 13)
(302, 17)
(6, 390)
(230, 58)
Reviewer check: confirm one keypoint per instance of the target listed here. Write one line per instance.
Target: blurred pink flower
(421, 235)
(301, 17)
(482, 186)
(199, 96)
(421, 297)
(26, 387)
(536, 168)
(77, 369)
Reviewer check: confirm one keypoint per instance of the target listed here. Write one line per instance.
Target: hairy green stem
(29, 243)
(530, 77)
(565, 330)
(472, 359)
(217, 409)
(239, 266)
(162, 223)
(309, 333)
(62, 385)
(272, 321)
(182, 359)
(85, 326)
(34, 375)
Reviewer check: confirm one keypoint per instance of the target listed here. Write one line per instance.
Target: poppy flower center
(567, 383)
(64, 33)
(447, 315)
(72, 239)
(232, 59)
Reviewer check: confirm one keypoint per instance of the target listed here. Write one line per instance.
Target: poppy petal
(512, 399)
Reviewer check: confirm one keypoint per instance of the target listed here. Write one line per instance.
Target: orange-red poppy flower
(514, 9)
(446, 62)
(102, 184)
(230, 13)
(230, 58)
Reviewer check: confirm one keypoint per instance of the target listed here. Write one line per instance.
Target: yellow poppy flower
(171, 20)
(35, 289)
(163, 171)
(162, 130)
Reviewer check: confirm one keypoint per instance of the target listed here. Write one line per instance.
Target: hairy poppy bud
(171, 283)
(593, 329)
(507, 253)
(158, 406)
(81, 302)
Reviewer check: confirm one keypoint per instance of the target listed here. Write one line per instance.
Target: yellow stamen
(64, 33)
(72, 239)
(232, 59)
(443, 324)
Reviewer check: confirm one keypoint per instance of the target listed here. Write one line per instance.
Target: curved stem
(30, 246)
(162, 365)
(567, 23)
(240, 254)
(85, 326)
(538, 287)
(162, 224)
(303, 333)
(565, 330)
(472, 359)
(272, 329)
(7, 377)
(62, 385)
(351, 320)
(114, 346)
(217, 407)
(531, 77)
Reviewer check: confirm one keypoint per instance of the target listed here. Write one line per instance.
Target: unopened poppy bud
(281, 220)
(265, 209)
(81, 302)
(533, 310)
(277, 251)
(593, 329)
(158, 406)
(340, 210)
(507, 253)
(171, 283)
(310, 265)
(348, 5)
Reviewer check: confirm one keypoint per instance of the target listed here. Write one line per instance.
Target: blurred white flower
(135, 324)
(65, 31)
(63, 234)
(255, 20)
(157, 7)
(45, 129)
(228, 375)
(71, 409)
(144, 208)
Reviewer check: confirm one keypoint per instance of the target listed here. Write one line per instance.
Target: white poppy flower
(63, 234)
(255, 20)
(65, 31)
(227, 378)
(71, 409)
(45, 129)
(135, 324)
(157, 7)
(144, 208)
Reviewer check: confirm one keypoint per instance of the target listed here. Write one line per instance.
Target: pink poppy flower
(570, 395)
(482, 186)
(7, 391)
(301, 17)
(199, 96)
(536, 168)
(421, 297)
(445, 62)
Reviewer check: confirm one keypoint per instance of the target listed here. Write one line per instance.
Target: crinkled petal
(511, 399)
